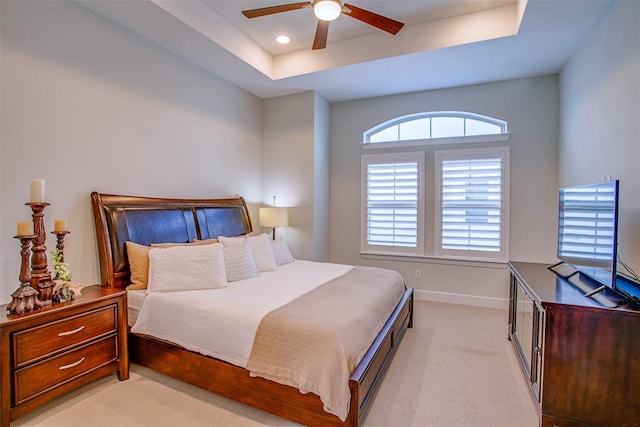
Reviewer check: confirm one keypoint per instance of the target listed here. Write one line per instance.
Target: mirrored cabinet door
(526, 332)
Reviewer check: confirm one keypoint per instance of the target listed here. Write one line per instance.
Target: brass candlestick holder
(25, 298)
(40, 274)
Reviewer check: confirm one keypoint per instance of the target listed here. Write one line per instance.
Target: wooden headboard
(147, 220)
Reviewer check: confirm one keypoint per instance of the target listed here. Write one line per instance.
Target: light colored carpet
(454, 368)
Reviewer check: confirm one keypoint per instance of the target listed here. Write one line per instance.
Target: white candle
(25, 228)
(37, 190)
(60, 225)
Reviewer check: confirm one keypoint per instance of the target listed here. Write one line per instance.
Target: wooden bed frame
(147, 220)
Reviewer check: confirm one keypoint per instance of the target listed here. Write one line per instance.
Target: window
(440, 124)
(472, 203)
(392, 214)
(464, 193)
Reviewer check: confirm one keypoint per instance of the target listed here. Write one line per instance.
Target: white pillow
(181, 268)
(281, 252)
(261, 247)
(238, 260)
(263, 252)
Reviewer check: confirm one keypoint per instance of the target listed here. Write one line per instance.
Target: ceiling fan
(327, 11)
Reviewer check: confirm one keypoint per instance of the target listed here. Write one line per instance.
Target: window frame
(430, 210)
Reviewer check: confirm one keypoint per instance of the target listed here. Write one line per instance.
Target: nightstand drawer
(40, 377)
(36, 343)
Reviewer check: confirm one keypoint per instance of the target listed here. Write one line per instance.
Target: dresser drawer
(40, 377)
(36, 343)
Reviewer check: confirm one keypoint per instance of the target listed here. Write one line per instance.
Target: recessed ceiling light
(282, 39)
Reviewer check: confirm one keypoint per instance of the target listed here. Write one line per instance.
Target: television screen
(588, 230)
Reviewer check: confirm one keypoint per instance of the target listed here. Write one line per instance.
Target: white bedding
(222, 323)
(135, 298)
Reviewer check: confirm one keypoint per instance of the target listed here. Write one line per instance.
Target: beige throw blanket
(316, 341)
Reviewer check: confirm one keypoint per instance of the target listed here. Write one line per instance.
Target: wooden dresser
(580, 355)
(46, 353)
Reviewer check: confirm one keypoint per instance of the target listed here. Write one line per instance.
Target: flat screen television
(588, 231)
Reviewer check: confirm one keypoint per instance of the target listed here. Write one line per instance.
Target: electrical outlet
(418, 273)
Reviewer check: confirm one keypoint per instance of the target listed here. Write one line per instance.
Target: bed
(151, 221)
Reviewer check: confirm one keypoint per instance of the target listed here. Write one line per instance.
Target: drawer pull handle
(75, 331)
(71, 365)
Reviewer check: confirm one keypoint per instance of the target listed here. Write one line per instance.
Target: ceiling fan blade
(254, 13)
(322, 31)
(382, 22)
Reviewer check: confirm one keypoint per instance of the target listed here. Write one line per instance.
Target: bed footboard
(365, 379)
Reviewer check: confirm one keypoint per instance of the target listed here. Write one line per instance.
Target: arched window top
(432, 125)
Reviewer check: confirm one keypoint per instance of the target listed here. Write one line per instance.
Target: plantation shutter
(471, 204)
(392, 204)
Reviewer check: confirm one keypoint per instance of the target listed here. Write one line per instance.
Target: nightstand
(48, 352)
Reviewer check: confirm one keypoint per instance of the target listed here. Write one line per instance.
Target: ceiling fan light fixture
(327, 10)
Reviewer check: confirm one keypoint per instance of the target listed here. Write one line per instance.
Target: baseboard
(451, 298)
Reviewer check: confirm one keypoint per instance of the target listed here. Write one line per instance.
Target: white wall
(599, 107)
(288, 163)
(321, 178)
(88, 105)
(530, 107)
(295, 169)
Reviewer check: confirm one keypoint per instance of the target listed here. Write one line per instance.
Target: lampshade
(273, 217)
(327, 10)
